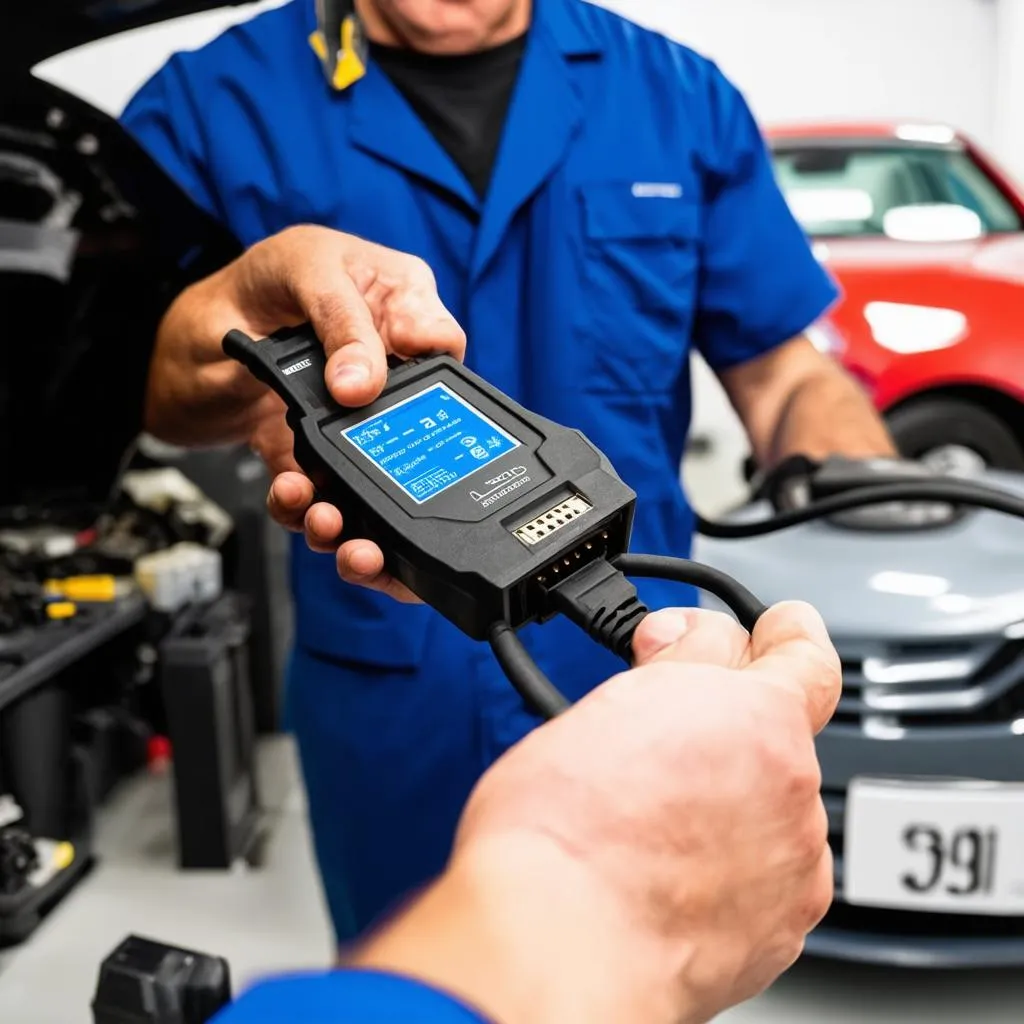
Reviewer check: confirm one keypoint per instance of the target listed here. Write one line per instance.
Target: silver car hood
(962, 580)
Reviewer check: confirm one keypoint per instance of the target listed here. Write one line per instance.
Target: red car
(926, 237)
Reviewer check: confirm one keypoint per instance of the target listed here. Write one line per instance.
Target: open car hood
(95, 243)
(37, 29)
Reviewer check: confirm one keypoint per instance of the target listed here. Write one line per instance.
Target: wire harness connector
(603, 603)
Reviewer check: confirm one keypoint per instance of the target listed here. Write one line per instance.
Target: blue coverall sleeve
(346, 997)
(761, 284)
(164, 118)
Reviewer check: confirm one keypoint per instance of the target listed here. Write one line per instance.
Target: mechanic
(705, 864)
(594, 202)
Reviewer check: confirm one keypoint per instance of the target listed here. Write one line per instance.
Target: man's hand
(657, 854)
(797, 401)
(364, 301)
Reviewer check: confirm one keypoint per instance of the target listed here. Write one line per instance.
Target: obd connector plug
(494, 516)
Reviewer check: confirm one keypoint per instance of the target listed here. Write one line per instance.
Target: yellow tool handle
(83, 588)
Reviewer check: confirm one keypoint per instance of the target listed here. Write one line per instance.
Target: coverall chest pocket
(639, 262)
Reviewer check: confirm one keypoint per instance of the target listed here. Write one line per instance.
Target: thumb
(791, 646)
(299, 274)
(693, 636)
(356, 355)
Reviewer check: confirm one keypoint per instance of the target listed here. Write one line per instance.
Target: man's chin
(449, 28)
(454, 35)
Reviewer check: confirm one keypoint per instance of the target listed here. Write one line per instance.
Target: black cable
(600, 600)
(747, 608)
(949, 492)
(538, 692)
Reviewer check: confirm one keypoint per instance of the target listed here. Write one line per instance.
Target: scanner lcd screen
(430, 441)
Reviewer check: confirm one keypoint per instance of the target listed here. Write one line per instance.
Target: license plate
(944, 847)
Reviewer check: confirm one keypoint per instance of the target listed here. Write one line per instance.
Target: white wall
(108, 72)
(825, 59)
(1009, 139)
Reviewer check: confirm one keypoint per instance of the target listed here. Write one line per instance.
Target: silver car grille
(932, 684)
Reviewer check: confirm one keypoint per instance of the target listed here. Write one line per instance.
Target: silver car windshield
(914, 193)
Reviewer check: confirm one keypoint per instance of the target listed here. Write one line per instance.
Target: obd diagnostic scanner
(494, 516)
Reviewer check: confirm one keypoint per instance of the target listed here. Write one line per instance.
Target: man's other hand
(365, 303)
(657, 854)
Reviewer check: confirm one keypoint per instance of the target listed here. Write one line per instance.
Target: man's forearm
(195, 394)
(796, 401)
(526, 953)
(829, 414)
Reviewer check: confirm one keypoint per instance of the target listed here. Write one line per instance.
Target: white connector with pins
(553, 520)
(180, 575)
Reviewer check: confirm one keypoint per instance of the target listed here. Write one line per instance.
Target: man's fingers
(416, 322)
(791, 645)
(290, 496)
(691, 635)
(290, 502)
(323, 525)
(356, 357)
(273, 439)
(401, 292)
(364, 302)
(362, 564)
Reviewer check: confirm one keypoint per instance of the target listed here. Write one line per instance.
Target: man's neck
(391, 31)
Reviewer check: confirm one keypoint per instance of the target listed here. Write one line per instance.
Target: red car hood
(981, 282)
(999, 258)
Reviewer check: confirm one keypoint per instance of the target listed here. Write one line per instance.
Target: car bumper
(993, 753)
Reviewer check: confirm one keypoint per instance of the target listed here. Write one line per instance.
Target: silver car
(923, 764)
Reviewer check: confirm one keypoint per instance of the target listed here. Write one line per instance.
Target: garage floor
(271, 919)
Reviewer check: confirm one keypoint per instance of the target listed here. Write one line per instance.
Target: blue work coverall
(632, 216)
(346, 997)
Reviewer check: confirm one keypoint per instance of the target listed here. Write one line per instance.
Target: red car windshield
(917, 193)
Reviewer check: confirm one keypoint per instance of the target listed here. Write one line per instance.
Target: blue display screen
(430, 442)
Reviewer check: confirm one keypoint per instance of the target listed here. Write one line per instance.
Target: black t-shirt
(463, 100)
